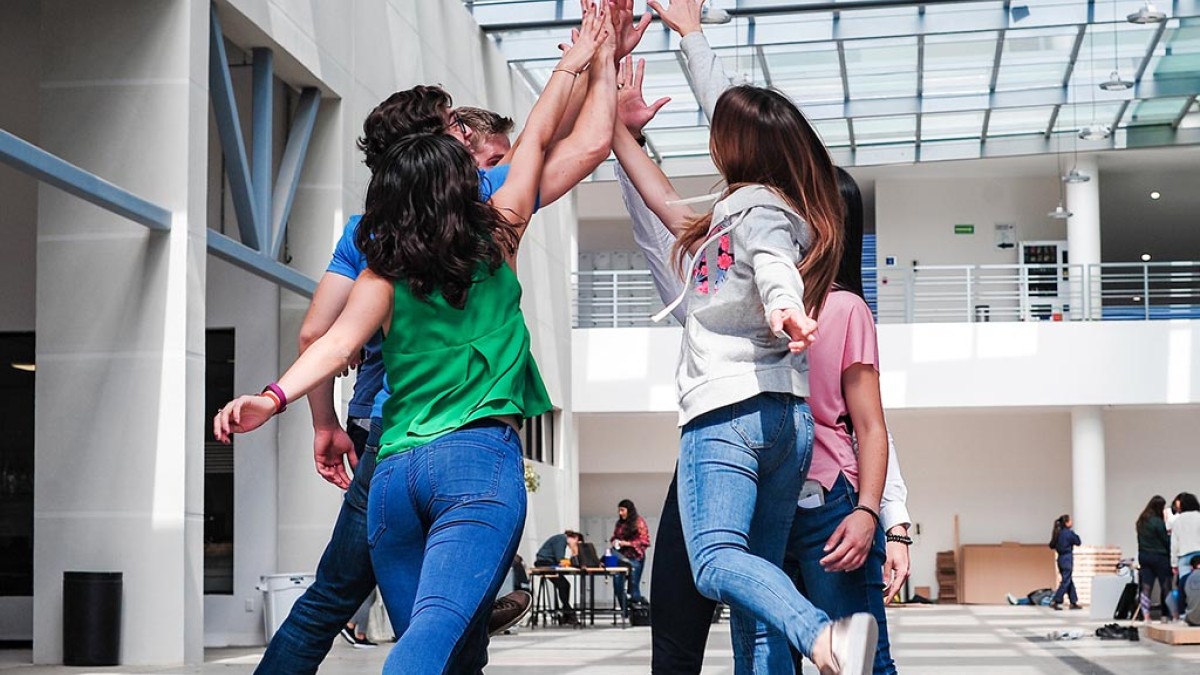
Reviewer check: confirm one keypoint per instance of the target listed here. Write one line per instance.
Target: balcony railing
(953, 294)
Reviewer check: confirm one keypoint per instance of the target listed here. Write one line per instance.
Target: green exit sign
(964, 229)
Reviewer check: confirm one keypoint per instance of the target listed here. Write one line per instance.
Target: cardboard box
(1173, 633)
(989, 571)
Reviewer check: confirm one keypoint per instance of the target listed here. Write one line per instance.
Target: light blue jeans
(740, 471)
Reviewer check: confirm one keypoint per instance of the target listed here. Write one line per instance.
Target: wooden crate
(1173, 633)
(947, 578)
(1091, 561)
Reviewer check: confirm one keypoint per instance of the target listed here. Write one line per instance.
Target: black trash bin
(92, 618)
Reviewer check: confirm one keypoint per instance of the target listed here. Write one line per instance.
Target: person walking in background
(630, 538)
(1154, 553)
(1185, 541)
(555, 552)
(355, 631)
(1064, 540)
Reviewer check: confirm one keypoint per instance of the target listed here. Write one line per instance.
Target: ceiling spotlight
(1060, 212)
(1115, 83)
(1145, 257)
(1156, 195)
(1095, 132)
(715, 15)
(1148, 13)
(1076, 176)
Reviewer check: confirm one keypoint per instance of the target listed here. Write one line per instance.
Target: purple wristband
(275, 389)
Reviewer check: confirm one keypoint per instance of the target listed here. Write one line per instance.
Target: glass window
(958, 64)
(881, 68)
(218, 467)
(834, 133)
(809, 74)
(882, 130)
(944, 126)
(17, 373)
(1015, 121)
(1155, 111)
(538, 438)
(1035, 57)
(679, 142)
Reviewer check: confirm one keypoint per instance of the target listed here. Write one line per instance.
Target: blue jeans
(840, 594)
(1066, 568)
(444, 520)
(740, 472)
(634, 581)
(344, 577)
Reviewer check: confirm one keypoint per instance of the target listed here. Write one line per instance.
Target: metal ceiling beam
(1154, 40)
(1183, 113)
(1066, 81)
(1053, 120)
(291, 166)
(229, 129)
(766, 69)
(258, 264)
(1116, 123)
(53, 170)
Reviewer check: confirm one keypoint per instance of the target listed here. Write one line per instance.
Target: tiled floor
(928, 641)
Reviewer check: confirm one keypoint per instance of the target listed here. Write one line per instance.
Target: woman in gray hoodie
(769, 249)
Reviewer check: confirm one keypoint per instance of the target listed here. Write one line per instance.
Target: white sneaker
(854, 640)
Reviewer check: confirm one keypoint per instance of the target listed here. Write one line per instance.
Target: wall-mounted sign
(964, 229)
(1006, 235)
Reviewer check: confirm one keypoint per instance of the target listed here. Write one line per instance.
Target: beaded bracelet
(900, 539)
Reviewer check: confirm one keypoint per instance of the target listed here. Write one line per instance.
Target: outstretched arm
(367, 309)
(518, 195)
(703, 64)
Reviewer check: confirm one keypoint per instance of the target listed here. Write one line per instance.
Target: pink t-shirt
(845, 336)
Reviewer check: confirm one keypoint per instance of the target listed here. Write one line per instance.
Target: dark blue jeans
(344, 577)
(840, 594)
(1066, 568)
(444, 520)
(633, 581)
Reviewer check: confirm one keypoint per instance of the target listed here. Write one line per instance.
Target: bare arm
(516, 198)
(651, 183)
(590, 141)
(331, 444)
(368, 307)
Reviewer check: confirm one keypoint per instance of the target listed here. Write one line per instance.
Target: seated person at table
(556, 549)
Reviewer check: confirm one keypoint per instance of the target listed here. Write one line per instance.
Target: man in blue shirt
(344, 575)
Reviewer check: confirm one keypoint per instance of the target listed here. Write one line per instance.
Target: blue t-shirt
(370, 388)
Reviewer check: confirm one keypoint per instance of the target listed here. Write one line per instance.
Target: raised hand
(800, 329)
(593, 31)
(628, 33)
(632, 110)
(681, 16)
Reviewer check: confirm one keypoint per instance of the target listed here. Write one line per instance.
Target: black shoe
(508, 611)
(1131, 632)
(348, 636)
(363, 643)
(1111, 633)
(570, 619)
(1075, 606)
(1056, 606)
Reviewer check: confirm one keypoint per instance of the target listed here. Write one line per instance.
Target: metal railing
(953, 294)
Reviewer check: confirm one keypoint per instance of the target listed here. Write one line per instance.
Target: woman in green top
(447, 500)
(1154, 553)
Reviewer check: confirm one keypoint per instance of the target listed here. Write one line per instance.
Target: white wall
(915, 218)
(938, 365)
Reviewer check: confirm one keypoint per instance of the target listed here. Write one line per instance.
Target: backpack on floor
(1041, 597)
(1128, 604)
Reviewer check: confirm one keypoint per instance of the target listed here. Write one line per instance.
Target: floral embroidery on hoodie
(724, 262)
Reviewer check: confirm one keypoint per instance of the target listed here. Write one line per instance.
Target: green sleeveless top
(447, 367)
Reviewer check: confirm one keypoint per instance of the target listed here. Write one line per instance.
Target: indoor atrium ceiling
(894, 81)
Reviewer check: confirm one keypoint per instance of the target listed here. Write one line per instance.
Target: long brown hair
(760, 137)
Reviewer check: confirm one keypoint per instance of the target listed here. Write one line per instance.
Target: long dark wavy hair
(760, 137)
(424, 223)
(1059, 525)
(849, 275)
(1154, 509)
(628, 525)
(413, 111)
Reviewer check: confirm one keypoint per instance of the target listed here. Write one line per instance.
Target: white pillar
(119, 484)
(1089, 510)
(1083, 232)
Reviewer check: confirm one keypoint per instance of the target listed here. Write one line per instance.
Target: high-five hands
(681, 16)
(632, 110)
(628, 33)
(594, 31)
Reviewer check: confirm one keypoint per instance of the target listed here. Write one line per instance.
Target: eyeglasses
(456, 120)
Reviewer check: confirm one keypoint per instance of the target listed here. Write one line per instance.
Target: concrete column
(120, 322)
(1083, 232)
(1089, 509)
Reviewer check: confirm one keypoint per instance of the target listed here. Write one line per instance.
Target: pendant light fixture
(1148, 13)
(1096, 131)
(1060, 212)
(1076, 176)
(1115, 82)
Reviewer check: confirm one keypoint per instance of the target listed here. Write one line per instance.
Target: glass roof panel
(834, 133)
(1178, 53)
(882, 68)
(1035, 57)
(882, 130)
(808, 73)
(679, 142)
(1072, 117)
(1100, 54)
(959, 63)
(945, 126)
(1155, 111)
(1014, 121)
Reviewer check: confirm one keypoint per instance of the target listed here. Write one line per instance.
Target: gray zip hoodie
(745, 269)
